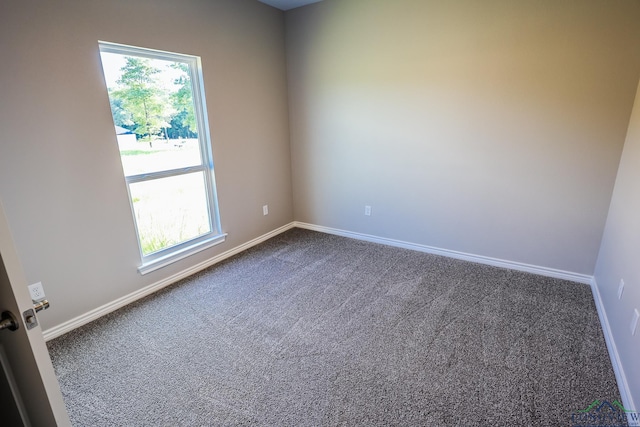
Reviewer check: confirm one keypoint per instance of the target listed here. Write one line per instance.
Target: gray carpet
(310, 329)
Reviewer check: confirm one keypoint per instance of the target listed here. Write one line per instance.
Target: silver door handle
(9, 321)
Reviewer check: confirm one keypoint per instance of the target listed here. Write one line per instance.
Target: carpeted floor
(310, 329)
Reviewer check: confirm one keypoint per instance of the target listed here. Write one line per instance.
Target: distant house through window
(158, 108)
(126, 137)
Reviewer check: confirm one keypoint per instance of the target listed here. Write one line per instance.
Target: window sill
(166, 260)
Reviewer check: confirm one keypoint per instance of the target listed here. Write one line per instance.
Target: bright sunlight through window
(158, 107)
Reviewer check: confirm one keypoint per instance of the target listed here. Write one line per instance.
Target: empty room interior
(420, 212)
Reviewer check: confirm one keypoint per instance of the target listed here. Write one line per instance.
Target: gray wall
(620, 255)
(491, 128)
(61, 180)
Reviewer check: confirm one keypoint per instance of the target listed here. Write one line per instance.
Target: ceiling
(288, 4)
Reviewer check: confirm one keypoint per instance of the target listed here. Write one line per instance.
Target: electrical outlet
(367, 210)
(265, 210)
(620, 288)
(634, 321)
(37, 291)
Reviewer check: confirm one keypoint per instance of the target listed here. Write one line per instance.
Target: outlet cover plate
(37, 291)
(620, 288)
(634, 321)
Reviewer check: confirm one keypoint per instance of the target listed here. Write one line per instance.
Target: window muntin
(157, 101)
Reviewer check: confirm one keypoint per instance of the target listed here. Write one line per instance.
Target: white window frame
(182, 250)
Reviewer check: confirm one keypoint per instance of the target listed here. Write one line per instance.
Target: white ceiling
(288, 4)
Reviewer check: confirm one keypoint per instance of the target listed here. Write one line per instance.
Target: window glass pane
(164, 155)
(170, 210)
(153, 112)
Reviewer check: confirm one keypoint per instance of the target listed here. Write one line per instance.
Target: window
(158, 108)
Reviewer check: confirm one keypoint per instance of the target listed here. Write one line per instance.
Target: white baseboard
(623, 385)
(543, 271)
(94, 314)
